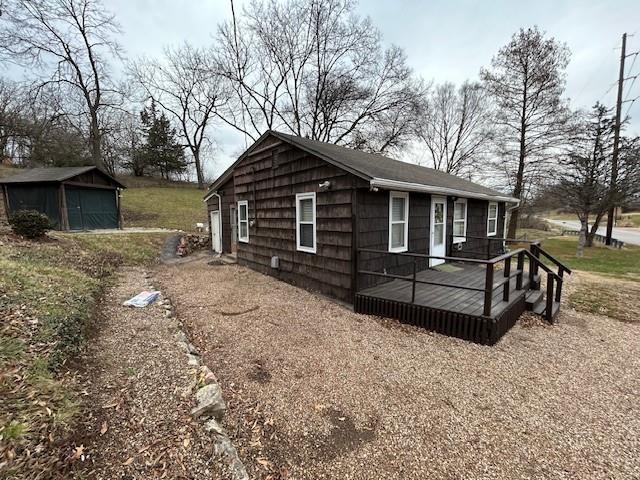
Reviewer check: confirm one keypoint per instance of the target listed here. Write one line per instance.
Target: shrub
(30, 223)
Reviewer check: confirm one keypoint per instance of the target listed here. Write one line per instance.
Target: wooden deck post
(488, 290)
(488, 248)
(520, 268)
(559, 285)
(507, 274)
(548, 314)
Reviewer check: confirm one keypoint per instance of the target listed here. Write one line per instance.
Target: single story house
(74, 198)
(340, 221)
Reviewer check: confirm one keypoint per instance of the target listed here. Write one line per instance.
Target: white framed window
(306, 222)
(460, 220)
(398, 221)
(243, 221)
(492, 219)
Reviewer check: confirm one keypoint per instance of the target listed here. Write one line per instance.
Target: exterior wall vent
(275, 262)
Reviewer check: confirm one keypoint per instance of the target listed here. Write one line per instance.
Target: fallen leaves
(104, 428)
(78, 453)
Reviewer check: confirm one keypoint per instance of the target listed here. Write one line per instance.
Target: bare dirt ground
(140, 396)
(316, 391)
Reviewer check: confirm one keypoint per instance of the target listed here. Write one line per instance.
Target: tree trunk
(594, 229)
(517, 190)
(95, 139)
(582, 237)
(199, 172)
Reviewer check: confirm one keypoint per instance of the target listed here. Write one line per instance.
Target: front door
(438, 230)
(216, 237)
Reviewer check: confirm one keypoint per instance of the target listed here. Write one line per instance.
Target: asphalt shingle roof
(375, 166)
(51, 174)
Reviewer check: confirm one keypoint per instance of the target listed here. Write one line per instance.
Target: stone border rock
(211, 407)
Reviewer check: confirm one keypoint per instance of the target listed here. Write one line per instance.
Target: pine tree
(160, 152)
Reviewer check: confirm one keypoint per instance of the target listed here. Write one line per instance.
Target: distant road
(627, 235)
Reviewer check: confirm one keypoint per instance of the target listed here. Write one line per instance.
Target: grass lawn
(630, 220)
(619, 263)
(48, 291)
(179, 207)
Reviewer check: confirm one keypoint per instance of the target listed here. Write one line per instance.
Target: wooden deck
(467, 302)
(446, 309)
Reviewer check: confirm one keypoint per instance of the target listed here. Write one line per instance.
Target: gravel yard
(316, 391)
(140, 396)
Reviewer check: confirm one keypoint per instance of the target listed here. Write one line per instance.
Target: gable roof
(54, 174)
(379, 170)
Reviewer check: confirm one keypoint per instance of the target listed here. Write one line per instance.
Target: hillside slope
(166, 205)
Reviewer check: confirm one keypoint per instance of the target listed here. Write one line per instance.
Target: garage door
(91, 208)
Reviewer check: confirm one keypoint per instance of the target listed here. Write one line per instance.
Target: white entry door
(216, 234)
(438, 230)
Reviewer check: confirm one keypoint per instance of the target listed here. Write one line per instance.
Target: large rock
(207, 377)
(210, 402)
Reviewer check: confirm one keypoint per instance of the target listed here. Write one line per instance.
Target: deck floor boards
(468, 302)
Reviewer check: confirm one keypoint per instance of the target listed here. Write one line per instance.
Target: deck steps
(541, 309)
(533, 298)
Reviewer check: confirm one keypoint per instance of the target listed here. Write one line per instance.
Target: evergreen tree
(160, 151)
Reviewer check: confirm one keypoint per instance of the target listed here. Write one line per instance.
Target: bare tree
(316, 69)
(185, 84)
(527, 79)
(69, 42)
(454, 127)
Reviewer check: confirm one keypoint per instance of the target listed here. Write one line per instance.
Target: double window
(306, 222)
(460, 220)
(243, 221)
(398, 221)
(492, 219)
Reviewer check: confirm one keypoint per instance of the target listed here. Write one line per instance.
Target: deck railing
(532, 255)
(487, 248)
(490, 284)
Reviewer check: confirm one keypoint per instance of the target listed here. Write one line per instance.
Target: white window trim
(240, 237)
(404, 247)
(305, 196)
(494, 233)
(464, 220)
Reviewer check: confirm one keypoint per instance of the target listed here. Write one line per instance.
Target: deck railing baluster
(488, 290)
(507, 274)
(520, 268)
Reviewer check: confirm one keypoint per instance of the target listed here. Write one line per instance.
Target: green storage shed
(74, 198)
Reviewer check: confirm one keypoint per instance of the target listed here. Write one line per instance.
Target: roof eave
(419, 187)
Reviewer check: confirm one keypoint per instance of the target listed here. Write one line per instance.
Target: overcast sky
(444, 40)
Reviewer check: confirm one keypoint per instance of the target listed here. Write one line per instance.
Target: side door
(438, 230)
(216, 236)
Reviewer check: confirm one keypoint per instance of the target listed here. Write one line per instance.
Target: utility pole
(616, 140)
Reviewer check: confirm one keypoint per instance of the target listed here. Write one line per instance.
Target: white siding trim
(299, 197)
(466, 213)
(405, 196)
(243, 203)
(489, 218)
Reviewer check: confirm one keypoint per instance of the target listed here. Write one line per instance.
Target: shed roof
(379, 170)
(53, 175)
